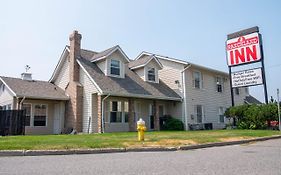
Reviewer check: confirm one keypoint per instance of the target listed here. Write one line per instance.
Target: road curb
(216, 144)
(8, 153)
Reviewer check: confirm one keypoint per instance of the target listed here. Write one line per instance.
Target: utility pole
(278, 103)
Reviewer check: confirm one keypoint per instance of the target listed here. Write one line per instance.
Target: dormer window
(115, 67)
(151, 74)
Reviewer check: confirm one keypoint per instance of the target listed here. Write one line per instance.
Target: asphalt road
(261, 158)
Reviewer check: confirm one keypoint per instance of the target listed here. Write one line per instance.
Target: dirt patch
(229, 139)
(160, 143)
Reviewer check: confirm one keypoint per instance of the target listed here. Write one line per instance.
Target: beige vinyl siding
(62, 78)
(88, 89)
(102, 66)
(140, 72)
(170, 73)
(207, 96)
(6, 97)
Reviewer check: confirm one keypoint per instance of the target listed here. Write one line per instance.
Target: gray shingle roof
(252, 100)
(132, 85)
(34, 89)
(140, 61)
(103, 53)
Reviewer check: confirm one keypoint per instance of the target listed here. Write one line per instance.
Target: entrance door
(57, 121)
(161, 111)
(151, 117)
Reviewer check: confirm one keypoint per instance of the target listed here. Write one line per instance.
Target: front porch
(120, 114)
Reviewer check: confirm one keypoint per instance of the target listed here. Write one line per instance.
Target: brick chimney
(75, 48)
(73, 118)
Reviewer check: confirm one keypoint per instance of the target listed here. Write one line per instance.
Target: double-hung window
(151, 74)
(115, 112)
(197, 80)
(219, 84)
(115, 67)
(40, 115)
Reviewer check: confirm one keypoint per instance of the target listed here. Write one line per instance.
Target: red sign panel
(244, 49)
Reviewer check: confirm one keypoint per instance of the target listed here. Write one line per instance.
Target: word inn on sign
(247, 78)
(244, 49)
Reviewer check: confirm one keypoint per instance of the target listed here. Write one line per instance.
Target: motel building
(105, 91)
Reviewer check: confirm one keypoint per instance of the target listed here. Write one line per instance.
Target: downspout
(102, 113)
(20, 105)
(184, 96)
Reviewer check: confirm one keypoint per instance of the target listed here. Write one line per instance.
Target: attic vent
(26, 76)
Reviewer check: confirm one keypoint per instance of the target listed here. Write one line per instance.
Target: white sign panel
(244, 49)
(247, 78)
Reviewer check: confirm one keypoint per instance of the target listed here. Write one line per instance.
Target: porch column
(156, 115)
(131, 115)
(99, 107)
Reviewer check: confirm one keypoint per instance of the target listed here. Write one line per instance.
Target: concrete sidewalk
(5, 153)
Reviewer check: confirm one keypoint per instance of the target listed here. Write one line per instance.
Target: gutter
(184, 96)
(102, 113)
(20, 105)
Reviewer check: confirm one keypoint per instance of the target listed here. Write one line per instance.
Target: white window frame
(122, 102)
(221, 113)
(33, 106)
(148, 69)
(221, 82)
(200, 79)
(114, 75)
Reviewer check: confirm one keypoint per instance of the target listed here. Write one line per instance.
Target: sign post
(245, 47)
(278, 103)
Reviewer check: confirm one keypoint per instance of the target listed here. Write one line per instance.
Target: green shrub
(168, 123)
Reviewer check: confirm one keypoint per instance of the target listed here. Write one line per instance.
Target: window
(219, 83)
(199, 113)
(115, 112)
(115, 67)
(197, 80)
(27, 108)
(237, 92)
(126, 111)
(151, 74)
(221, 114)
(40, 115)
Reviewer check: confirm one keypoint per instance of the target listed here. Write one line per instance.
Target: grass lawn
(127, 139)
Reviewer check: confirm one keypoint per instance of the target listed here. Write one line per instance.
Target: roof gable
(143, 61)
(104, 54)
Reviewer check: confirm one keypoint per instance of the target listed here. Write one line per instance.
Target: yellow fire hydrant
(141, 128)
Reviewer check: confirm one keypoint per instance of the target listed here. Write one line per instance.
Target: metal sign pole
(263, 71)
(278, 104)
(231, 89)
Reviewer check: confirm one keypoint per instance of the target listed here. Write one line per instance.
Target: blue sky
(35, 32)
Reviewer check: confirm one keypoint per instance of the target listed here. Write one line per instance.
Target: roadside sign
(247, 78)
(243, 49)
